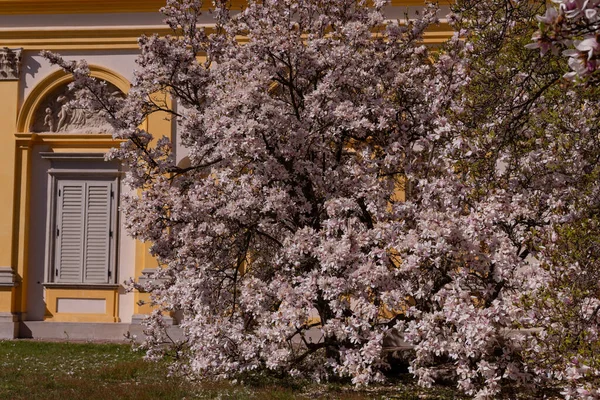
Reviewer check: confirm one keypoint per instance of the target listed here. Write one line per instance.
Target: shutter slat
(70, 241)
(97, 228)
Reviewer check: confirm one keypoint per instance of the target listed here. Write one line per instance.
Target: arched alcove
(63, 148)
(44, 109)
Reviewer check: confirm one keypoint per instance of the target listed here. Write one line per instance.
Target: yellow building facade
(63, 253)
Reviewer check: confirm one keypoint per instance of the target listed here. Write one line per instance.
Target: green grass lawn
(41, 370)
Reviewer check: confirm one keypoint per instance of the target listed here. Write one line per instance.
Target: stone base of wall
(9, 326)
(137, 331)
(82, 331)
(91, 331)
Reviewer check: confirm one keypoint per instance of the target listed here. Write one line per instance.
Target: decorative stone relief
(10, 64)
(56, 115)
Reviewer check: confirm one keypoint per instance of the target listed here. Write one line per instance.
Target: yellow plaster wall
(111, 296)
(159, 124)
(7, 299)
(9, 95)
(143, 260)
(22, 183)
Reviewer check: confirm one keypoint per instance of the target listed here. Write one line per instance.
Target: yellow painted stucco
(22, 197)
(7, 299)
(110, 296)
(9, 245)
(9, 91)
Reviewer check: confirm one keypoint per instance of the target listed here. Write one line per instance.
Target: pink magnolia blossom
(574, 25)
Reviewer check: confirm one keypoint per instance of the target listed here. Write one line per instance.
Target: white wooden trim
(56, 175)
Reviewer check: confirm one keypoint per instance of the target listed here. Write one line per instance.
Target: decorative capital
(8, 278)
(10, 63)
(147, 277)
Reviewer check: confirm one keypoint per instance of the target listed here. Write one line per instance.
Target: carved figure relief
(10, 63)
(55, 114)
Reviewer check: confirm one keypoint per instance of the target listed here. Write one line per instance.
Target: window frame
(65, 169)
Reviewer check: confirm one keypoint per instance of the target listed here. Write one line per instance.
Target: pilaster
(159, 124)
(10, 63)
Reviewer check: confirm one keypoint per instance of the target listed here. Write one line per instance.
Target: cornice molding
(12, 7)
(102, 38)
(71, 38)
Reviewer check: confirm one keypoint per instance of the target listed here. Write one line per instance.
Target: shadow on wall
(36, 306)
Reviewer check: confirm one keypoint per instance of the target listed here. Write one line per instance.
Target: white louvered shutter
(84, 231)
(69, 231)
(98, 233)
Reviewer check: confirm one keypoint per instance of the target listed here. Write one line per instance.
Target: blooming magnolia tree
(279, 241)
(346, 185)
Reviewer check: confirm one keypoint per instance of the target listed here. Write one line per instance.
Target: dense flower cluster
(572, 26)
(345, 184)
